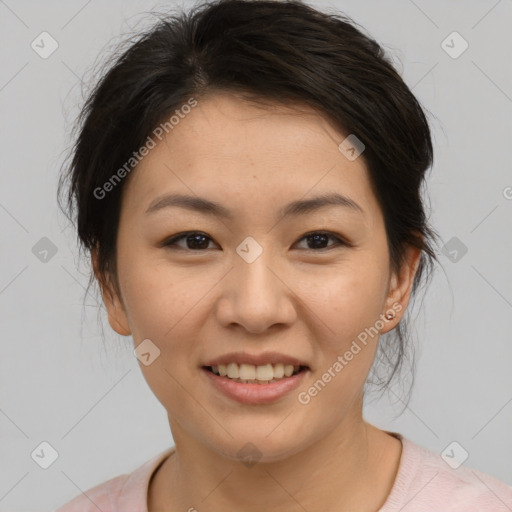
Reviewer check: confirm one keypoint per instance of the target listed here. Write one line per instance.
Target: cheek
(166, 305)
(156, 296)
(349, 298)
(347, 306)
(160, 307)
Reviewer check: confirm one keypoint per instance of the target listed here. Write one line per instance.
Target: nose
(256, 296)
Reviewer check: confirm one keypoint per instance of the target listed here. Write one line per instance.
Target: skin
(196, 304)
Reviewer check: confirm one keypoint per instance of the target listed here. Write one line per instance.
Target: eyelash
(171, 242)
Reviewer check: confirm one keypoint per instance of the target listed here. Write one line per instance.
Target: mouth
(256, 374)
(255, 384)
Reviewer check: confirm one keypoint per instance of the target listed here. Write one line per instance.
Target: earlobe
(400, 289)
(118, 326)
(115, 311)
(117, 318)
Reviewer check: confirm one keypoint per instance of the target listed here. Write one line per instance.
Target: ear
(400, 288)
(117, 317)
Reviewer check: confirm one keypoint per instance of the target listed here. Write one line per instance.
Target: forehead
(250, 156)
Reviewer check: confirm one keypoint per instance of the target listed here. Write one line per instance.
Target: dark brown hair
(285, 52)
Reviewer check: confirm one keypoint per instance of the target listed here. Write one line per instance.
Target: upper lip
(255, 359)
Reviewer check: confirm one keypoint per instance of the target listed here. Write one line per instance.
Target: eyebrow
(212, 208)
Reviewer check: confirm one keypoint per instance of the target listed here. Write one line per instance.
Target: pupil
(318, 238)
(194, 239)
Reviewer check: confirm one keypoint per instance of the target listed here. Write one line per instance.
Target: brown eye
(319, 240)
(194, 241)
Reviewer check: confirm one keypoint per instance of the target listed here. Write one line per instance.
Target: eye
(318, 239)
(194, 240)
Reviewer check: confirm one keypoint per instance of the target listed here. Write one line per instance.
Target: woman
(247, 180)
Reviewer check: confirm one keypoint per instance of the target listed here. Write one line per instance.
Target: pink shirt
(424, 483)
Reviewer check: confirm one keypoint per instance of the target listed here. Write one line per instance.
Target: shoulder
(101, 497)
(427, 481)
(461, 486)
(118, 493)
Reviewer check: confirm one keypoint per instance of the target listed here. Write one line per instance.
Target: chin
(260, 445)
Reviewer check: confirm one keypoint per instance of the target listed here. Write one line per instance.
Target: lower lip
(255, 393)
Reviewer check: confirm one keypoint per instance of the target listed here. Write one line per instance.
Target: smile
(260, 384)
(252, 374)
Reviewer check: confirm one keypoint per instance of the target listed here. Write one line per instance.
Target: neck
(353, 468)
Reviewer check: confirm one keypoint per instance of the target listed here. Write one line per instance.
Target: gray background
(62, 383)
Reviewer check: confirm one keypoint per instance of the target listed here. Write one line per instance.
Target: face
(256, 278)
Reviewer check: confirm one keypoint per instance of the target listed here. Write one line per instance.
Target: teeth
(247, 371)
(278, 371)
(233, 371)
(264, 372)
(251, 373)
